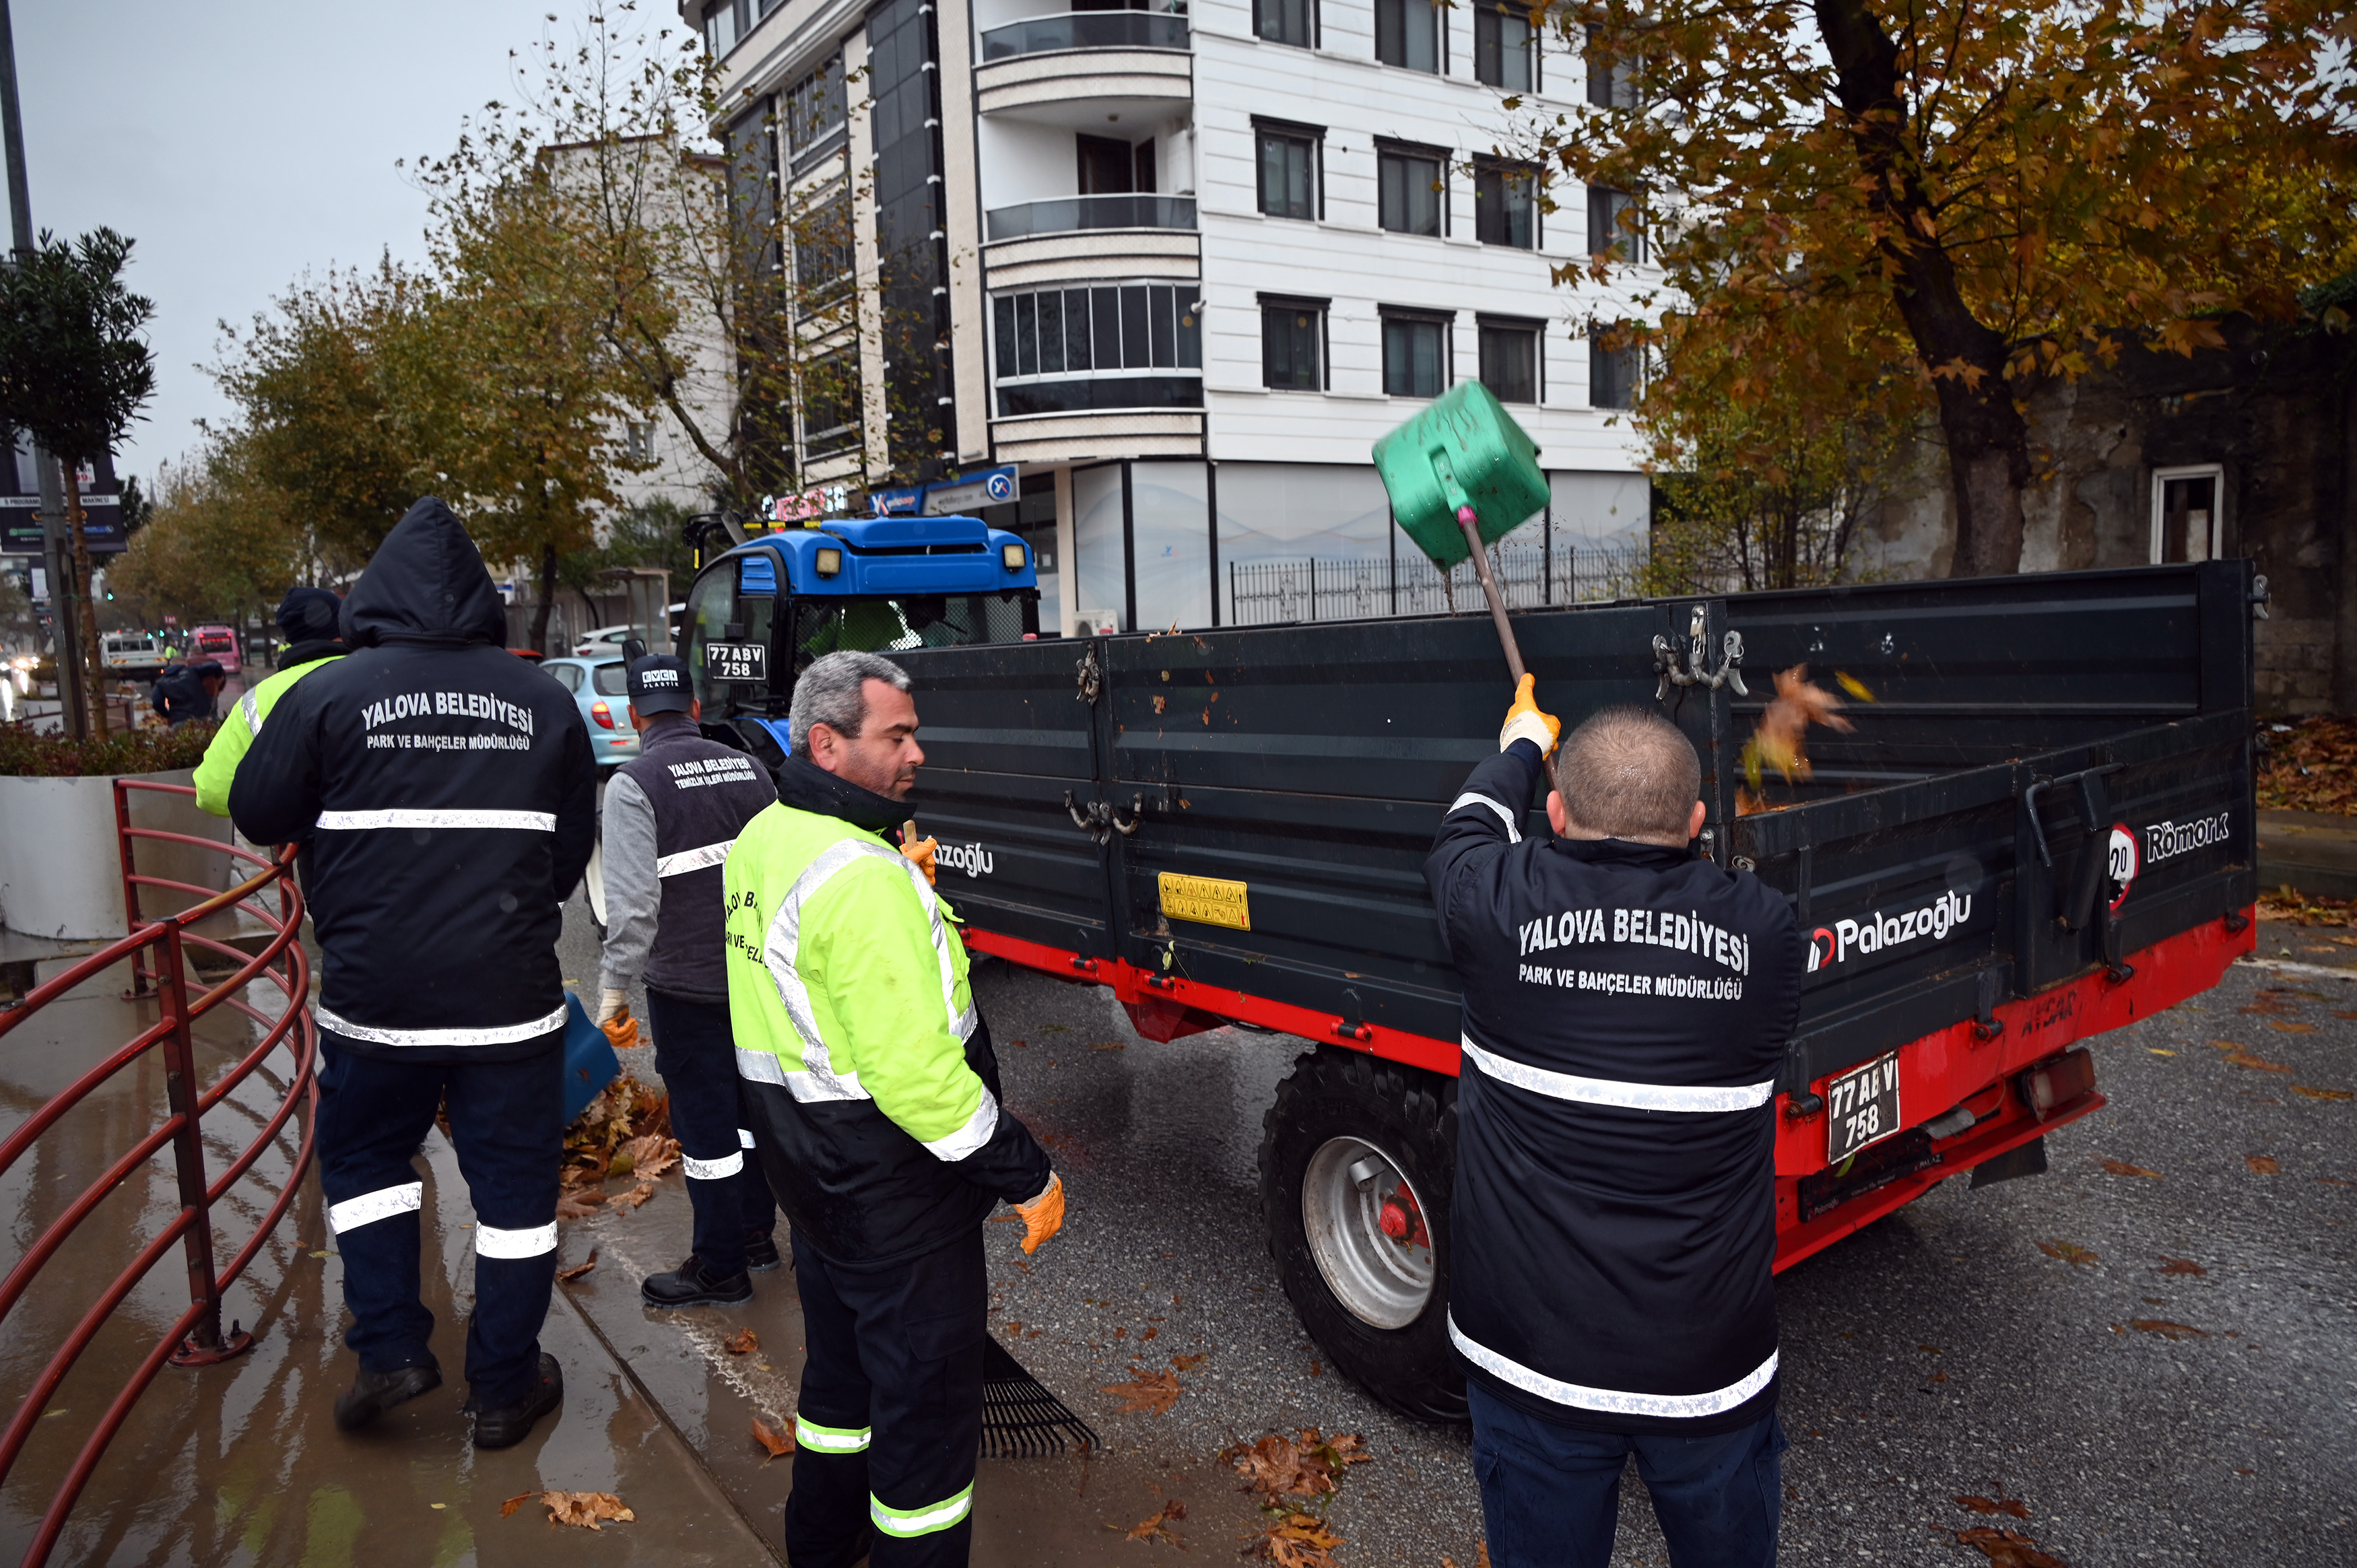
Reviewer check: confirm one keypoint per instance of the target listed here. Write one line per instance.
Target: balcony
(1085, 30)
(1071, 214)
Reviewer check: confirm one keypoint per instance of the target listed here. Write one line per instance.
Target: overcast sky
(241, 142)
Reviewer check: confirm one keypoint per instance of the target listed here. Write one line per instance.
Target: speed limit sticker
(2122, 861)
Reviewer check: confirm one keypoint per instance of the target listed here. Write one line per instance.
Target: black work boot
(373, 1394)
(761, 1251)
(511, 1424)
(693, 1284)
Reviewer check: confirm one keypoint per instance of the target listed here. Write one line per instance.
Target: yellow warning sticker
(1206, 900)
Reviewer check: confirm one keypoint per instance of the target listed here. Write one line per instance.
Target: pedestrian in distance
(186, 693)
(452, 798)
(1627, 1004)
(873, 1095)
(670, 814)
(308, 619)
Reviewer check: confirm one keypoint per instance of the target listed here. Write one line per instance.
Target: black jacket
(1626, 1008)
(453, 798)
(179, 695)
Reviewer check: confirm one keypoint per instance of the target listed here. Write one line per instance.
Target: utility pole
(57, 536)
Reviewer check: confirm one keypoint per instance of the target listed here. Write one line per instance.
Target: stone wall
(2274, 409)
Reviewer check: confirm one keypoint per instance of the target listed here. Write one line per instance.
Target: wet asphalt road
(2167, 1380)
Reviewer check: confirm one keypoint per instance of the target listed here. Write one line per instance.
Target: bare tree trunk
(1988, 439)
(547, 597)
(93, 679)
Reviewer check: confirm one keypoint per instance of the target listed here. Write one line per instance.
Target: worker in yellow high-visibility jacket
(308, 617)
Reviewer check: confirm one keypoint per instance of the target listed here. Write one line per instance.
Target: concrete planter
(61, 871)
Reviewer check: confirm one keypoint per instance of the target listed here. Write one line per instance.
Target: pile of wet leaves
(1295, 1480)
(2293, 907)
(625, 1132)
(2309, 765)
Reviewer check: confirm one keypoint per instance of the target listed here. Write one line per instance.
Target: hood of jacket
(426, 583)
(805, 785)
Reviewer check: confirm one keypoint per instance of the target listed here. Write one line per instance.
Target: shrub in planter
(60, 867)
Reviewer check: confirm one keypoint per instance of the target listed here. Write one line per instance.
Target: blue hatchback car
(600, 687)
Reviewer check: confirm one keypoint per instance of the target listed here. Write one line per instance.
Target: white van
(137, 653)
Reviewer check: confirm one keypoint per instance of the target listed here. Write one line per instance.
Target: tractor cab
(759, 613)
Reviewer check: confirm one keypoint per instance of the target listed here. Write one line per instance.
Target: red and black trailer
(2041, 827)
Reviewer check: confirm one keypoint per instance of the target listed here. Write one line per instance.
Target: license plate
(742, 663)
(1861, 1107)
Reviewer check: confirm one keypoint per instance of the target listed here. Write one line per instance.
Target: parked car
(139, 654)
(597, 684)
(610, 639)
(217, 643)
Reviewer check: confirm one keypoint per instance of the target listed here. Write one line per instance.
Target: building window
(1505, 206)
(723, 22)
(1286, 22)
(822, 241)
(1610, 232)
(1415, 354)
(831, 400)
(1407, 34)
(639, 444)
(1288, 171)
(1612, 369)
(816, 114)
(1292, 344)
(1509, 361)
(1070, 349)
(1505, 50)
(1410, 196)
(1611, 81)
(2187, 517)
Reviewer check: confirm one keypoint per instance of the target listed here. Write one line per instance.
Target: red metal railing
(157, 950)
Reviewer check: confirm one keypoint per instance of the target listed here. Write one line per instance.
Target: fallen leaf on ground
(2069, 1253)
(2323, 1093)
(2264, 1164)
(2121, 1167)
(1149, 1333)
(741, 1342)
(2169, 1265)
(2156, 1050)
(1157, 1527)
(1998, 1504)
(779, 1443)
(2167, 1329)
(634, 1198)
(1110, 1046)
(1296, 1540)
(651, 1153)
(2290, 1028)
(2007, 1548)
(1153, 1393)
(2236, 1056)
(508, 1508)
(579, 1203)
(1188, 1363)
(1307, 1465)
(577, 1270)
(589, 1510)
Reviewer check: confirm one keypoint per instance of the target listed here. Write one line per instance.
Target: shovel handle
(1465, 519)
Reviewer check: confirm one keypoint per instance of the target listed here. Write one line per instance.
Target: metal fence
(1263, 592)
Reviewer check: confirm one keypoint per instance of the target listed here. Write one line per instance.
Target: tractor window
(897, 626)
(717, 612)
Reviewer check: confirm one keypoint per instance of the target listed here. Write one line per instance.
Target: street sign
(21, 525)
(971, 494)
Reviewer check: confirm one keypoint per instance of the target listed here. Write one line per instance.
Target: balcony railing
(1085, 30)
(1064, 214)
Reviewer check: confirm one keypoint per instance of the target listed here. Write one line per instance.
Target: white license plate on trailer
(738, 664)
(1861, 1108)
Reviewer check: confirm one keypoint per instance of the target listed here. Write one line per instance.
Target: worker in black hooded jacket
(450, 793)
(1627, 1006)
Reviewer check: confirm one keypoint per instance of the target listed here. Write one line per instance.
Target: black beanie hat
(305, 615)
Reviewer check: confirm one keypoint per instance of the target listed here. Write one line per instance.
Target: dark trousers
(1551, 1493)
(890, 1415)
(696, 1056)
(507, 1121)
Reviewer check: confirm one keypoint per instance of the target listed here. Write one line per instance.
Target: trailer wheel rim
(1383, 1281)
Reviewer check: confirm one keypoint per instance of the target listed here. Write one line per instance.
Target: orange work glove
(1043, 1216)
(1524, 721)
(922, 851)
(613, 1017)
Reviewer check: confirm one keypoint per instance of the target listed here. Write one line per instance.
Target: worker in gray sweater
(669, 818)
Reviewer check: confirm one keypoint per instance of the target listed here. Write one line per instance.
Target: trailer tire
(1387, 1327)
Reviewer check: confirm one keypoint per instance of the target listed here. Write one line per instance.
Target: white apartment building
(1188, 264)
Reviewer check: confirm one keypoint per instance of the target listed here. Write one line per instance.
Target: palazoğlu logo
(970, 858)
(1830, 945)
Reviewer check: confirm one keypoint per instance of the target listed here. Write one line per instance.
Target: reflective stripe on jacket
(231, 742)
(868, 1080)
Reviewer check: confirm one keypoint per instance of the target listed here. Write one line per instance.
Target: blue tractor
(763, 610)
